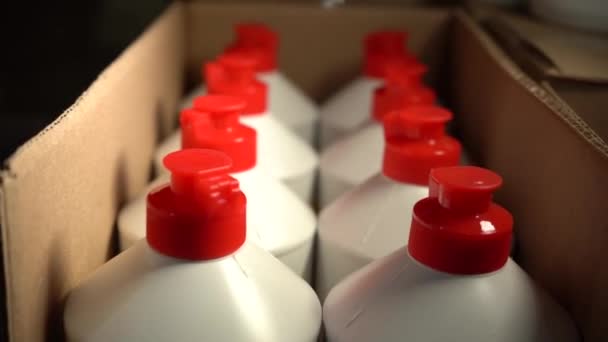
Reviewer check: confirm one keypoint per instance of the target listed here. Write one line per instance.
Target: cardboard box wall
(569, 63)
(60, 192)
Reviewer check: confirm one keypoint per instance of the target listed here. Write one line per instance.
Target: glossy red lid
(201, 214)
(415, 143)
(260, 40)
(403, 87)
(458, 229)
(213, 123)
(234, 74)
(381, 47)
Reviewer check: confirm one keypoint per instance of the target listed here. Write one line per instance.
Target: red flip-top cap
(458, 229)
(260, 40)
(213, 123)
(381, 47)
(234, 74)
(415, 143)
(201, 214)
(402, 87)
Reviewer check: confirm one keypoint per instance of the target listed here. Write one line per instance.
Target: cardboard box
(61, 191)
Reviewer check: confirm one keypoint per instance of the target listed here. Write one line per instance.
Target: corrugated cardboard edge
(586, 100)
(112, 129)
(554, 168)
(551, 100)
(4, 297)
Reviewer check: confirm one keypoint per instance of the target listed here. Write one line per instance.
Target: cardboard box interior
(61, 191)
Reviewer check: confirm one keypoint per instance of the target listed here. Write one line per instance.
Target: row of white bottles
(281, 153)
(277, 220)
(287, 103)
(195, 277)
(276, 168)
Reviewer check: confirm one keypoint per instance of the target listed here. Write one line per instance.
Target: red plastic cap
(201, 214)
(260, 40)
(214, 124)
(406, 73)
(415, 143)
(381, 47)
(234, 74)
(458, 229)
(403, 87)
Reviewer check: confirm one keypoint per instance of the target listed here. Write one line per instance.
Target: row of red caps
(456, 190)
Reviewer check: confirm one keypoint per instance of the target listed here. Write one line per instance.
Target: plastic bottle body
(403, 300)
(377, 223)
(349, 161)
(347, 110)
(142, 295)
(290, 106)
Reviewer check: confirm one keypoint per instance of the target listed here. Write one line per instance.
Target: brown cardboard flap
(555, 176)
(326, 41)
(558, 51)
(63, 188)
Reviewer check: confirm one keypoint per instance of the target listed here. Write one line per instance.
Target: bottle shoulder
(355, 157)
(287, 101)
(372, 219)
(277, 219)
(351, 105)
(280, 151)
(401, 297)
(141, 285)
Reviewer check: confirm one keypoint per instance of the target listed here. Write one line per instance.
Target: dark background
(51, 51)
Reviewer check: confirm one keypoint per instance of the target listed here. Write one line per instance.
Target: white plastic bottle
(366, 223)
(287, 103)
(350, 160)
(280, 152)
(453, 282)
(277, 220)
(195, 277)
(349, 108)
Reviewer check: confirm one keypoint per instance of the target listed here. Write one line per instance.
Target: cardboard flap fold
(588, 103)
(556, 51)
